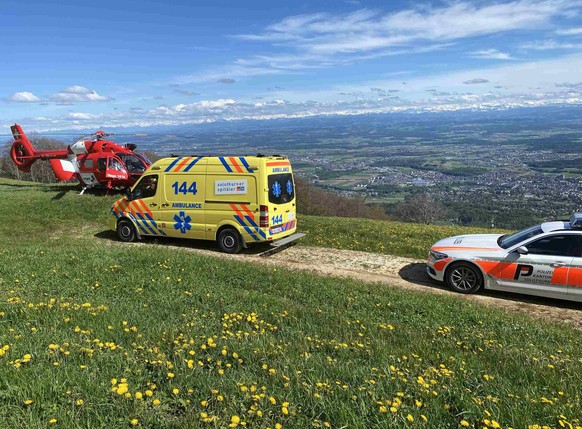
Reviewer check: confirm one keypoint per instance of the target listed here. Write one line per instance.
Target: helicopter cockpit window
(88, 164)
(146, 187)
(133, 163)
(114, 164)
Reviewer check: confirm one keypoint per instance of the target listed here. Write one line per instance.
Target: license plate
(276, 230)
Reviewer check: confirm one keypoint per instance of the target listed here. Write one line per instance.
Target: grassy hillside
(94, 333)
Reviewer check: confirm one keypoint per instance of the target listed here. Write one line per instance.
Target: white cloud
(370, 30)
(475, 81)
(78, 94)
(24, 97)
(550, 45)
(76, 89)
(491, 54)
(83, 116)
(570, 31)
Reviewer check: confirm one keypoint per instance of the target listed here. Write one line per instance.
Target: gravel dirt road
(393, 271)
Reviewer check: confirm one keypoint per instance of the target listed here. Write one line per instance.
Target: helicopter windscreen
(133, 163)
(144, 157)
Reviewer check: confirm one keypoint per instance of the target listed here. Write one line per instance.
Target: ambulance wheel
(464, 277)
(125, 230)
(229, 241)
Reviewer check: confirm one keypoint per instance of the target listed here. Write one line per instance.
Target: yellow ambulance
(233, 200)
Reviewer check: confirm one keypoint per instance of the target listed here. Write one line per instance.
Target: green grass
(391, 238)
(78, 311)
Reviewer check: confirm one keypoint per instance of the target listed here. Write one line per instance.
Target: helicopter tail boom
(24, 154)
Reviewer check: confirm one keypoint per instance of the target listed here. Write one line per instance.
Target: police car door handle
(557, 264)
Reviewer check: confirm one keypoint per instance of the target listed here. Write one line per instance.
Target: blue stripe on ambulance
(155, 224)
(225, 164)
(173, 164)
(247, 229)
(137, 223)
(245, 226)
(254, 225)
(246, 164)
(192, 164)
(145, 222)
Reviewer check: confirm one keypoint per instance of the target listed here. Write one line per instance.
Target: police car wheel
(125, 230)
(229, 241)
(463, 277)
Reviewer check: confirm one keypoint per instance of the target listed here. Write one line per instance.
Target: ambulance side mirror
(129, 194)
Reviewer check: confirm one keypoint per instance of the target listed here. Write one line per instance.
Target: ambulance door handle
(166, 205)
(153, 205)
(557, 264)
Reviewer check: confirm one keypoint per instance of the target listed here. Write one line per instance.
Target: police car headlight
(437, 256)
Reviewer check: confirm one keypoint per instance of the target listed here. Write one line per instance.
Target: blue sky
(83, 65)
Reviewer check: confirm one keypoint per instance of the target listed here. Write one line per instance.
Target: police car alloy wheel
(464, 278)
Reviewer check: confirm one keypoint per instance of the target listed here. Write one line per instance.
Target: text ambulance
(233, 200)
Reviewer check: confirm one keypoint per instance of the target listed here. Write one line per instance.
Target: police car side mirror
(522, 250)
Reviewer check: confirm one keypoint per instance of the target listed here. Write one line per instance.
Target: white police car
(543, 260)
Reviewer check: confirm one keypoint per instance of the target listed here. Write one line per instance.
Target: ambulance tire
(126, 230)
(464, 277)
(229, 241)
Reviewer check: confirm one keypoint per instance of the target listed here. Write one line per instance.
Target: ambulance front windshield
(281, 188)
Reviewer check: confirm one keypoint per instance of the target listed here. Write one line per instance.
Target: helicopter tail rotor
(22, 152)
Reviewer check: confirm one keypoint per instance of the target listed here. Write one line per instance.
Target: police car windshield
(281, 188)
(507, 241)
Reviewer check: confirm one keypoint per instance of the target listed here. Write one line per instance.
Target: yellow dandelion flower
(410, 418)
(138, 395)
(28, 402)
(464, 423)
(175, 391)
(149, 393)
(156, 402)
(134, 422)
(79, 402)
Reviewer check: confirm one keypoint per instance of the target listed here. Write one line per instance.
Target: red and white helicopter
(94, 163)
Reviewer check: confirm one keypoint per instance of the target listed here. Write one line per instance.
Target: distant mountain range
(566, 113)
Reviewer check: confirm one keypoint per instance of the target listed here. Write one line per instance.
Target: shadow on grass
(416, 273)
(205, 245)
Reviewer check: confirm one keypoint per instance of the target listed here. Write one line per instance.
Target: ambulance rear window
(281, 188)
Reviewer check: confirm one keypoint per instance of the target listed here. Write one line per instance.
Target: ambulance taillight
(264, 217)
